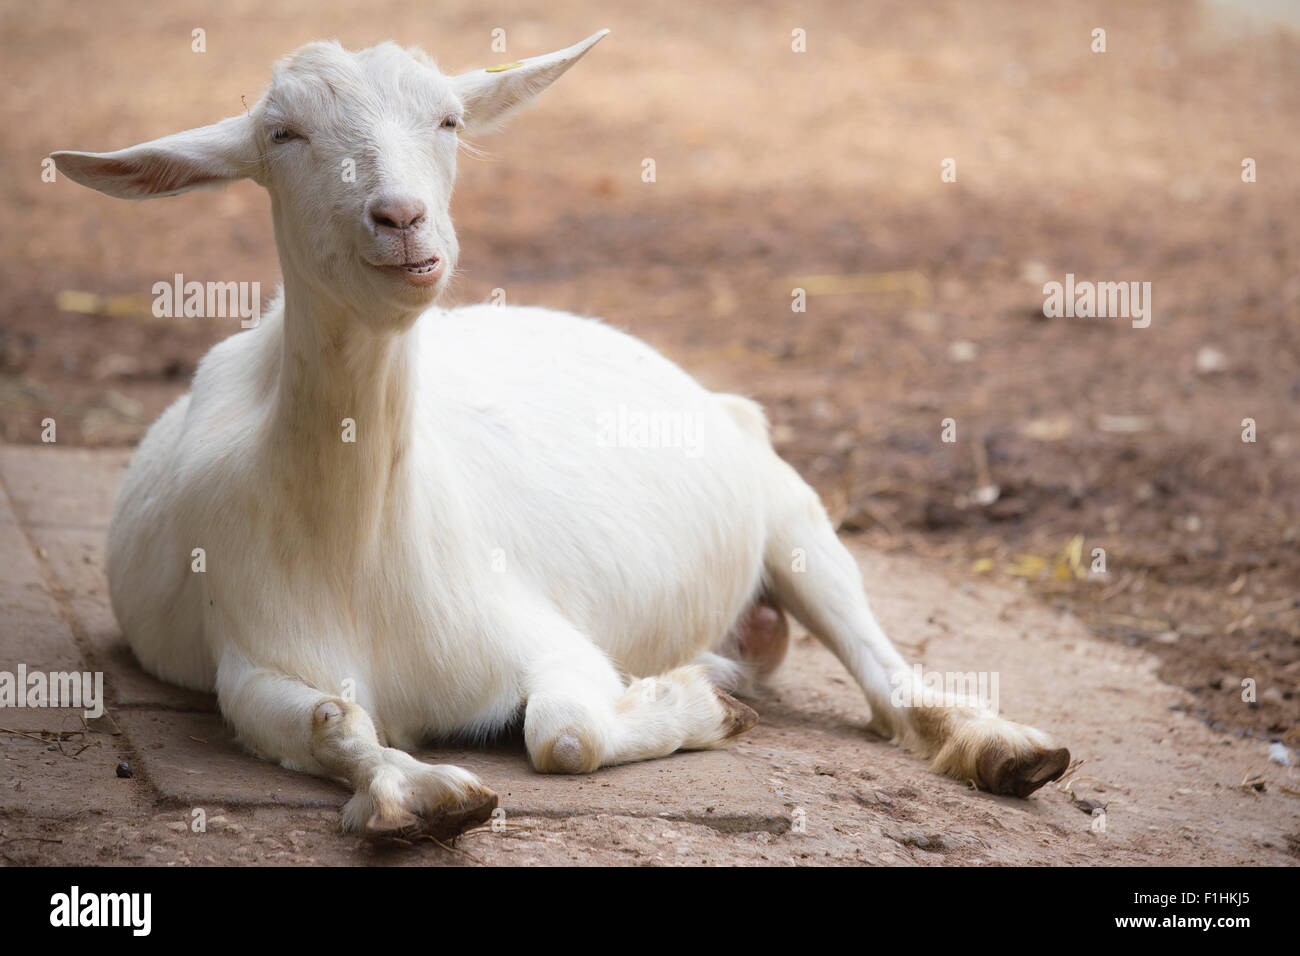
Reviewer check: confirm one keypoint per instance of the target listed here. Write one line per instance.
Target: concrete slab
(191, 760)
(67, 486)
(33, 633)
(75, 559)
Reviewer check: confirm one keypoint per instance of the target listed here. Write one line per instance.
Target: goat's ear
(492, 94)
(208, 156)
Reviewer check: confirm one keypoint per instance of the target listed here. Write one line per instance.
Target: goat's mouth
(421, 273)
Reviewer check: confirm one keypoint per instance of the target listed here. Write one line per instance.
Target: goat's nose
(396, 212)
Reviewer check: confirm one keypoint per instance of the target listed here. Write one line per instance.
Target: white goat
(483, 548)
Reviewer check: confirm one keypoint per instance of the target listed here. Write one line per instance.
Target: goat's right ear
(492, 94)
(208, 156)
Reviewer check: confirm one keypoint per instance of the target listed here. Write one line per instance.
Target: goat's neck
(336, 367)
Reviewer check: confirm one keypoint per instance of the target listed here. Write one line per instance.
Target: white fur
(482, 548)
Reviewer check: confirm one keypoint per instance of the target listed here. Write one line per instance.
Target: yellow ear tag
(502, 67)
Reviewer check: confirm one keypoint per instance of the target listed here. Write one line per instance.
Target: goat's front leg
(285, 720)
(580, 715)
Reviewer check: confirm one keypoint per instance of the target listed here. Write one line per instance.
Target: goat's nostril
(400, 214)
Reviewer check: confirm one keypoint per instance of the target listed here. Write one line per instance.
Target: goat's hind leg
(964, 739)
(285, 720)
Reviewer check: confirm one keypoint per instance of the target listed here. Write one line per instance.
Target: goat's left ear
(492, 94)
(208, 156)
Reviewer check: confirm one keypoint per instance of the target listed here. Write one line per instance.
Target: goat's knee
(565, 735)
(343, 738)
(571, 751)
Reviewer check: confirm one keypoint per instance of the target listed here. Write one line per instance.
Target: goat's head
(358, 152)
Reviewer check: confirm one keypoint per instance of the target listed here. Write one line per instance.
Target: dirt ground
(819, 170)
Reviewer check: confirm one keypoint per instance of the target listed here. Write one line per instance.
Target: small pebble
(1210, 360)
(124, 769)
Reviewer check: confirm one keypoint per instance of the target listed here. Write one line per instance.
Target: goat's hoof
(1002, 772)
(441, 823)
(406, 798)
(736, 717)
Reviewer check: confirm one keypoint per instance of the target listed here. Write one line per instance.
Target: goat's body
(653, 552)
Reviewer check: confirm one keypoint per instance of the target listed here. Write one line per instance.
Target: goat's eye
(453, 122)
(282, 134)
